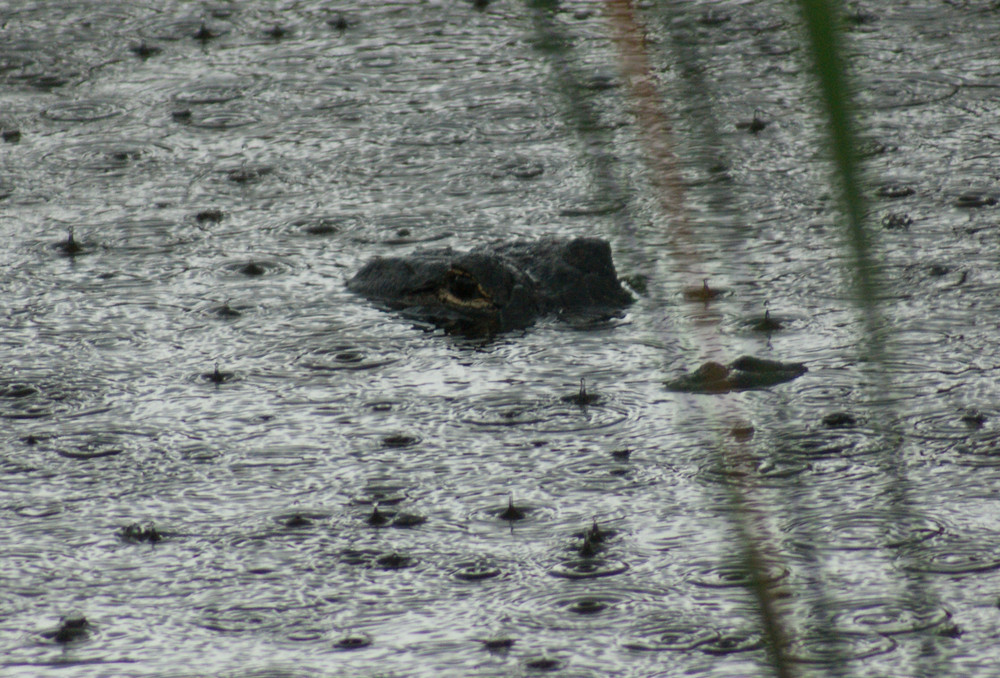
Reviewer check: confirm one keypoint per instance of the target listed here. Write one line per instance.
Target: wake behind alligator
(497, 287)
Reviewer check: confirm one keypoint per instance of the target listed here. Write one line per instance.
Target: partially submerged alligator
(743, 374)
(497, 287)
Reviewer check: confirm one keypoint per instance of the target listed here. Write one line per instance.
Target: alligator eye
(463, 286)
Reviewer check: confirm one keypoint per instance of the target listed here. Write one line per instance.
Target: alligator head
(495, 288)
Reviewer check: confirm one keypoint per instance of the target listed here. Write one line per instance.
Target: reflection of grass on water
(823, 21)
(829, 69)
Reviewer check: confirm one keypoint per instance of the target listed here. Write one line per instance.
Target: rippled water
(322, 488)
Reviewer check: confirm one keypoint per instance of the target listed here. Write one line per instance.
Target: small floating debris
(276, 32)
(975, 199)
(69, 247)
(247, 175)
(377, 518)
(894, 191)
(217, 376)
(744, 373)
(897, 221)
(226, 311)
(767, 323)
(338, 22)
(595, 534)
(839, 420)
(622, 454)
(135, 534)
(353, 642)
(949, 630)
(399, 440)
(318, 226)
(48, 81)
(499, 644)
(11, 136)
(974, 418)
(590, 546)
(71, 628)
(593, 540)
(298, 520)
(212, 215)
(393, 561)
(703, 293)
(17, 390)
(543, 663)
(582, 398)
(404, 519)
(512, 512)
(476, 572)
(742, 432)
(144, 50)
(757, 124)
(588, 606)
(253, 269)
(204, 33)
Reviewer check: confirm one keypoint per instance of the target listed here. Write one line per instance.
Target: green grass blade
(823, 22)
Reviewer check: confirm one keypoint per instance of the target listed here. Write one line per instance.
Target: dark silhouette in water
(377, 518)
(69, 247)
(143, 50)
(498, 287)
(135, 533)
(501, 644)
(298, 520)
(253, 269)
(353, 642)
(767, 323)
(512, 512)
(703, 293)
(204, 34)
(73, 627)
(742, 374)
(217, 376)
(338, 22)
(582, 398)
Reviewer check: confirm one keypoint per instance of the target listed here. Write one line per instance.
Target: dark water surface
(224, 167)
